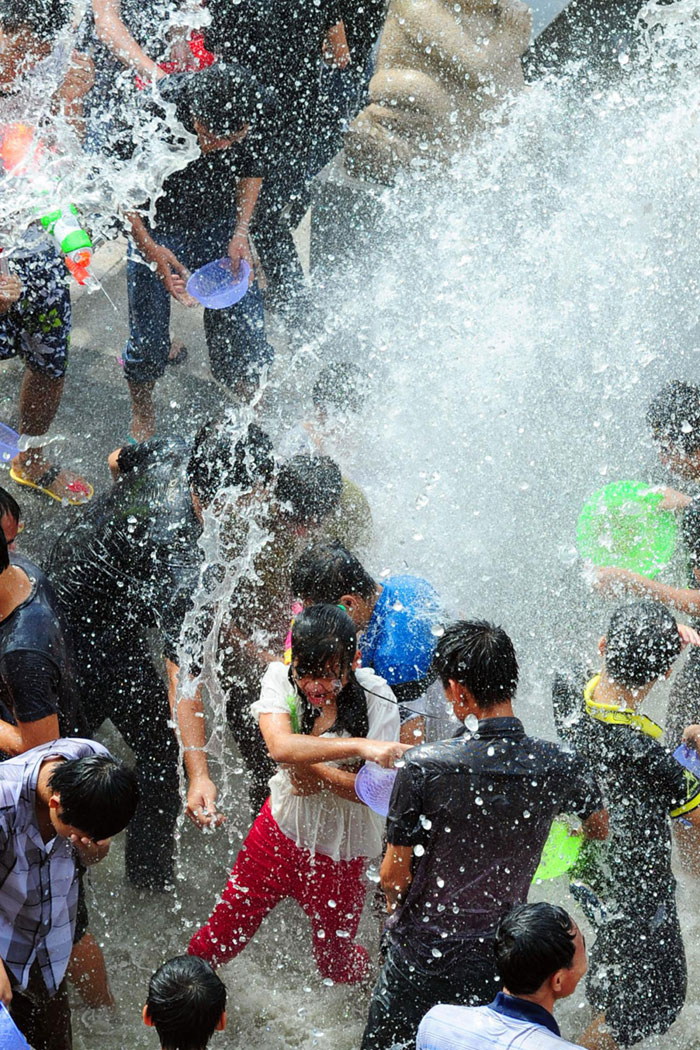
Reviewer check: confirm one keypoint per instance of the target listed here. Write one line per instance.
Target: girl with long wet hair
(320, 719)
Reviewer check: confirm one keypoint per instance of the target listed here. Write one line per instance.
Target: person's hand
(201, 803)
(239, 248)
(672, 499)
(78, 80)
(5, 986)
(10, 290)
(611, 582)
(172, 273)
(689, 636)
(384, 752)
(304, 781)
(691, 736)
(90, 851)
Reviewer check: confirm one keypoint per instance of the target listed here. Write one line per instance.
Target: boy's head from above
(186, 1003)
(640, 645)
(674, 418)
(28, 30)
(94, 796)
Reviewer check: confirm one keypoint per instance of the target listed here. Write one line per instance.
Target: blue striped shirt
(38, 880)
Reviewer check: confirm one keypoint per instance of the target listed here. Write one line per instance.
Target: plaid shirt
(38, 880)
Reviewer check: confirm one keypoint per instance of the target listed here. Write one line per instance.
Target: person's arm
(336, 52)
(32, 683)
(596, 826)
(171, 271)
(10, 291)
(310, 779)
(247, 192)
(111, 31)
(618, 583)
(395, 874)
(286, 747)
(5, 986)
(188, 712)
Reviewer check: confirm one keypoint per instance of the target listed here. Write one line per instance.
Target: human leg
(271, 230)
(236, 340)
(261, 877)
(399, 1002)
(44, 1022)
(242, 687)
(146, 353)
(332, 894)
(42, 319)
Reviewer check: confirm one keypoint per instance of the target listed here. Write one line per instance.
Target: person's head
(339, 389)
(186, 1003)
(540, 951)
(94, 796)
(10, 517)
(674, 418)
(308, 488)
(477, 666)
(28, 29)
(221, 459)
(640, 644)
(328, 572)
(222, 101)
(4, 553)
(324, 657)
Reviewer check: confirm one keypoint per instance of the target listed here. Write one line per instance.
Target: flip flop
(83, 489)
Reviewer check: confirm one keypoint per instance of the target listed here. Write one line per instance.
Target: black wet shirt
(477, 811)
(37, 672)
(643, 786)
(131, 560)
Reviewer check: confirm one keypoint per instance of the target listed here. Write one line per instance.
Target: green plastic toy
(621, 525)
(560, 852)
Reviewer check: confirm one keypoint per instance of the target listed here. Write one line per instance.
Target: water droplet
(418, 850)
(436, 953)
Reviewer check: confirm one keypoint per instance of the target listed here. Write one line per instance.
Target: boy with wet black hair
(35, 310)
(60, 805)
(203, 213)
(10, 517)
(186, 1004)
(639, 937)
(467, 822)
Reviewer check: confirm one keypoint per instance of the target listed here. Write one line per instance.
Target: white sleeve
(382, 708)
(275, 687)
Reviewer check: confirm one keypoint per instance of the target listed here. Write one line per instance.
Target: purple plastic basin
(215, 286)
(373, 786)
(8, 444)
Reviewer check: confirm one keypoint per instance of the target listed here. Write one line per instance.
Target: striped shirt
(38, 880)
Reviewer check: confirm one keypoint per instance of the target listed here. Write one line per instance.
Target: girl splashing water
(319, 718)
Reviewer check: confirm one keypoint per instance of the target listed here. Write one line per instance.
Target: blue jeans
(238, 348)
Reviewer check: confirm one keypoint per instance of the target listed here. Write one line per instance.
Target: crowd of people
(120, 621)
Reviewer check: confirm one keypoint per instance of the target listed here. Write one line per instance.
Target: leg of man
(120, 682)
(332, 894)
(399, 1001)
(246, 733)
(271, 231)
(238, 347)
(146, 352)
(42, 320)
(262, 876)
(45, 1022)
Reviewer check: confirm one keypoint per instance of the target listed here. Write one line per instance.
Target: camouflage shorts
(37, 327)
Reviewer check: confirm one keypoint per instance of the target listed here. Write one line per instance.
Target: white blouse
(324, 822)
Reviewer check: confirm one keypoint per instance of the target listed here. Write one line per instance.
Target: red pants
(271, 867)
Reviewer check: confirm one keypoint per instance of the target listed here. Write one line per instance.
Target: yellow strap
(619, 716)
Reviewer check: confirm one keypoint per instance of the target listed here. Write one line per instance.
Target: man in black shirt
(467, 823)
(203, 213)
(38, 695)
(639, 938)
(132, 565)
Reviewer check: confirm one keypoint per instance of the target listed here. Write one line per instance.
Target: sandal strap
(48, 477)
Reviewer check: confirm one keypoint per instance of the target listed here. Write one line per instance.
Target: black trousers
(119, 681)
(44, 1022)
(402, 997)
(243, 687)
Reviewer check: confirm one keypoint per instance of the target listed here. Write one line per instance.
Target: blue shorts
(37, 327)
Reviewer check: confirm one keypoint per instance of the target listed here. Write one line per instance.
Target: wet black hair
(327, 570)
(674, 417)
(185, 1003)
(532, 942)
(45, 18)
(309, 488)
(480, 656)
(217, 461)
(339, 385)
(9, 505)
(324, 635)
(98, 794)
(4, 553)
(223, 97)
(641, 643)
